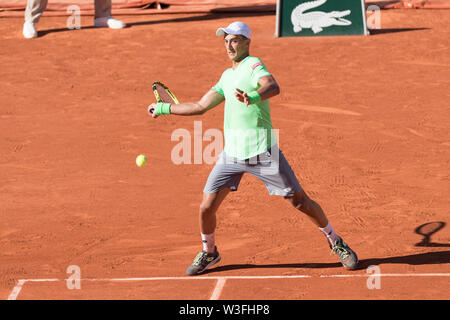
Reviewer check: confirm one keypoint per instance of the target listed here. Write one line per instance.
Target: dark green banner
(299, 18)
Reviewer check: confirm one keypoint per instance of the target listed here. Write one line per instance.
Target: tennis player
(250, 146)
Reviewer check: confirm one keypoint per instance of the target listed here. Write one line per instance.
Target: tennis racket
(163, 94)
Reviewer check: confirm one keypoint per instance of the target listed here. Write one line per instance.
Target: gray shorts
(270, 167)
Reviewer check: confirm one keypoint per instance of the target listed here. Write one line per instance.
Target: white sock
(208, 242)
(329, 232)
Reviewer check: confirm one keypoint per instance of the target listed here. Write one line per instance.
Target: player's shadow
(209, 16)
(394, 30)
(233, 12)
(219, 13)
(425, 230)
(441, 257)
(43, 33)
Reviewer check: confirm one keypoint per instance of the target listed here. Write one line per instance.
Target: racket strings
(164, 96)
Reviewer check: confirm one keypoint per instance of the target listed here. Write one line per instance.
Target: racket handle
(151, 110)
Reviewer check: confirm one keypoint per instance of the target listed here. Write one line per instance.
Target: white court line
(388, 275)
(218, 289)
(16, 290)
(200, 278)
(222, 279)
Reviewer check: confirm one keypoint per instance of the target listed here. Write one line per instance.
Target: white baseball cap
(235, 28)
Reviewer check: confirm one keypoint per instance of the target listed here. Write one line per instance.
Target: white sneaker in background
(109, 22)
(29, 30)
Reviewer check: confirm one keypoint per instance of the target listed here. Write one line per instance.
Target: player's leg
(224, 177)
(283, 182)
(208, 209)
(314, 212)
(33, 13)
(209, 256)
(102, 8)
(34, 10)
(103, 16)
(312, 209)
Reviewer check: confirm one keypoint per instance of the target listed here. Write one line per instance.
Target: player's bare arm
(210, 100)
(269, 88)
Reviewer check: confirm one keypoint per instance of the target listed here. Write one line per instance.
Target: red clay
(364, 122)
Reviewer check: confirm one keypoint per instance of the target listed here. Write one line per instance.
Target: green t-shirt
(248, 130)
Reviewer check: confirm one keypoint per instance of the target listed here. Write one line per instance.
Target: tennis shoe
(203, 261)
(29, 30)
(348, 257)
(109, 22)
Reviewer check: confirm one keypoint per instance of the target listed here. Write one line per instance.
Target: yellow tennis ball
(141, 160)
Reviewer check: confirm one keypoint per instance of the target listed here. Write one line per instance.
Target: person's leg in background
(33, 13)
(103, 16)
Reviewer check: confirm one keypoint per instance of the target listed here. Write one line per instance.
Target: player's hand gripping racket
(163, 94)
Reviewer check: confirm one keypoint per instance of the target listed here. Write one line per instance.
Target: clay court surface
(364, 123)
